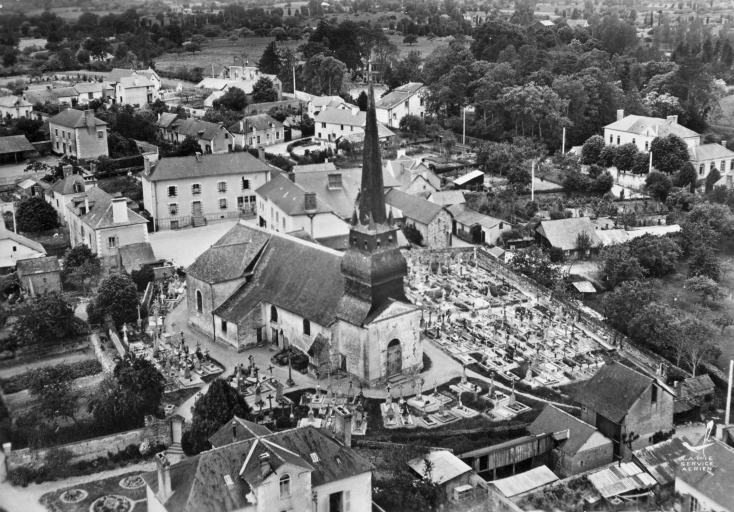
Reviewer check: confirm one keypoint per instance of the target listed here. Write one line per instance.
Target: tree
(35, 214)
(607, 156)
(46, 318)
(686, 177)
(279, 34)
(410, 39)
(658, 185)
(656, 254)
(619, 265)
(536, 264)
(142, 277)
(81, 264)
(324, 75)
(362, 102)
(413, 235)
(625, 301)
(707, 287)
(699, 344)
(53, 387)
(669, 153)
(591, 150)
(216, 408)
(703, 262)
(602, 184)
(192, 47)
(263, 91)
(269, 62)
(189, 146)
(711, 179)
(654, 325)
(724, 320)
(624, 159)
(233, 99)
(117, 298)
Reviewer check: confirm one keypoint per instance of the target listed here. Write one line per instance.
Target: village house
(59, 195)
(191, 190)
(136, 256)
(257, 130)
(134, 87)
(639, 408)
(32, 187)
(285, 206)
(78, 134)
(334, 123)
(581, 447)
(66, 95)
(14, 248)
(213, 138)
(408, 99)
(476, 228)
(642, 130)
(660, 461)
(243, 78)
(432, 221)
(88, 91)
(447, 197)
(104, 224)
(707, 157)
(564, 234)
(413, 176)
(316, 104)
(708, 487)
(15, 107)
(299, 470)
(38, 276)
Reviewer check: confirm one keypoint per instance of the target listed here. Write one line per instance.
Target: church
(344, 311)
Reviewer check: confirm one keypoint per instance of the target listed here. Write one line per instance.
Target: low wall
(156, 431)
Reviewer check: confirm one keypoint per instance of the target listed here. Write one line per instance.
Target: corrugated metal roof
(446, 466)
(659, 460)
(524, 482)
(584, 287)
(468, 177)
(617, 480)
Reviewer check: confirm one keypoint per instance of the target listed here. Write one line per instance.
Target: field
(225, 52)
(71, 13)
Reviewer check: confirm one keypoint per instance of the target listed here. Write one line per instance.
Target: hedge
(76, 370)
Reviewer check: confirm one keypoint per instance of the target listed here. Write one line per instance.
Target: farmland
(225, 52)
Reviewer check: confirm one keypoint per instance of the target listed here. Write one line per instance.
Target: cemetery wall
(156, 431)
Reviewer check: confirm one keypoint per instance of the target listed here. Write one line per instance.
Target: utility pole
(563, 144)
(294, 80)
(728, 392)
(649, 167)
(532, 181)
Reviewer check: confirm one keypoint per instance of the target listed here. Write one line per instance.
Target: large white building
(408, 99)
(334, 123)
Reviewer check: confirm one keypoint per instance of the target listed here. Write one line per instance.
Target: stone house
(257, 130)
(642, 130)
(408, 99)
(88, 91)
(475, 227)
(134, 87)
(15, 107)
(285, 206)
(563, 234)
(59, 195)
(433, 221)
(334, 123)
(38, 276)
(183, 191)
(580, 446)
(300, 470)
(213, 138)
(104, 223)
(412, 175)
(78, 134)
(14, 248)
(639, 408)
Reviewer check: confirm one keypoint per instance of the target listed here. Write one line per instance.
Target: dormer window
(78, 187)
(335, 181)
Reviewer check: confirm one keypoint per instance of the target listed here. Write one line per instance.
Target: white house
(333, 123)
(642, 130)
(15, 107)
(408, 99)
(257, 130)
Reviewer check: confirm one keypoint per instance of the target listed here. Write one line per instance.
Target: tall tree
(270, 62)
(669, 153)
(116, 298)
(35, 214)
(46, 318)
(263, 91)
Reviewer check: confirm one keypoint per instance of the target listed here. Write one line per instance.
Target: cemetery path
(475, 375)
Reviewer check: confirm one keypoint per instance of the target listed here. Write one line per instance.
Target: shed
(470, 180)
(448, 471)
(15, 148)
(584, 287)
(518, 485)
(616, 480)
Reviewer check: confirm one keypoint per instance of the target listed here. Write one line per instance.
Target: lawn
(124, 492)
(222, 51)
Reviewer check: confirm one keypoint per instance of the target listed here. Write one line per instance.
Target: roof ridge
(578, 420)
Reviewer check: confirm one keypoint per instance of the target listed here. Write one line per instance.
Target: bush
(22, 476)
(412, 234)
(35, 214)
(73, 371)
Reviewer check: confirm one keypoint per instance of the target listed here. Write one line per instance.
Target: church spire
(372, 197)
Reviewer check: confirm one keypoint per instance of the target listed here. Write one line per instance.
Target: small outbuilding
(39, 276)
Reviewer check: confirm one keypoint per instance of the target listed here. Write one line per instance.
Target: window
(223, 203)
(611, 139)
(90, 96)
(258, 139)
(583, 408)
(634, 141)
(57, 144)
(173, 208)
(581, 463)
(348, 499)
(245, 184)
(224, 326)
(323, 125)
(695, 506)
(422, 101)
(723, 166)
(226, 135)
(701, 169)
(647, 144)
(654, 395)
(56, 131)
(285, 486)
(617, 140)
(175, 224)
(342, 127)
(112, 242)
(712, 166)
(196, 189)
(284, 224)
(100, 134)
(222, 186)
(199, 301)
(731, 165)
(273, 314)
(172, 191)
(267, 137)
(277, 135)
(306, 327)
(335, 181)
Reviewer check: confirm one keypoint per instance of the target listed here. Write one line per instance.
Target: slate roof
(341, 200)
(66, 185)
(400, 169)
(562, 233)
(445, 466)
(186, 167)
(38, 266)
(323, 101)
(166, 119)
(524, 482)
(697, 386)
(15, 144)
(714, 484)
(134, 256)
(710, 152)
(72, 118)
(198, 482)
(468, 217)
(447, 197)
(627, 384)
(341, 116)
(398, 95)
(413, 208)
(191, 128)
(552, 419)
(87, 87)
(117, 73)
(231, 256)
(134, 82)
(40, 96)
(11, 101)
(289, 196)
(326, 166)
(260, 122)
(609, 237)
(65, 92)
(99, 215)
(659, 459)
(292, 274)
(245, 430)
(651, 126)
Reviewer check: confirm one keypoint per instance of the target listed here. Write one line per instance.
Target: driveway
(14, 170)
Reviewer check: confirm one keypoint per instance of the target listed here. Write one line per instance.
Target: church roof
(372, 197)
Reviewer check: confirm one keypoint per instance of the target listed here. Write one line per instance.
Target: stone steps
(199, 221)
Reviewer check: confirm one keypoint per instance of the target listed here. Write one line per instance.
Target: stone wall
(156, 431)
(439, 231)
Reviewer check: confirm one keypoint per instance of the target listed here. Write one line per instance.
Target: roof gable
(413, 207)
(289, 197)
(562, 233)
(552, 420)
(627, 384)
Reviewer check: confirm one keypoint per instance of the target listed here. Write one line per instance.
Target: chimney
(146, 165)
(234, 430)
(89, 118)
(68, 170)
(86, 205)
(620, 114)
(673, 119)
(310, 201)
(261, 153)
(292, 176)
(264, 459)
(723, 143)
(401, 152)
(343, 425)
(119, 210)
(164, 476)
